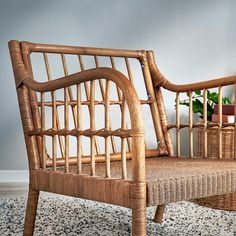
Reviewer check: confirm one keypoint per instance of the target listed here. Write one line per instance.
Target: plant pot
(226, 201)
(212, 142)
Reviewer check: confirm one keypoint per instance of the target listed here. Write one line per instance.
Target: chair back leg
(159, 214)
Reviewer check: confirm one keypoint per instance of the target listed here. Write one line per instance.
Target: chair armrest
(131, 97)
(160, 80)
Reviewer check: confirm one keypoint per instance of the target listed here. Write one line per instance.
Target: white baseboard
(14, 176)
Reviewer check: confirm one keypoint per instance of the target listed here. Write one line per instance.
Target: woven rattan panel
(50, 64)
(175, 179)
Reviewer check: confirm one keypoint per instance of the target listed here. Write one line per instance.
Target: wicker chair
(116, 165)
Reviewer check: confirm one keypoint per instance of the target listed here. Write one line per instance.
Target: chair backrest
(50, 112)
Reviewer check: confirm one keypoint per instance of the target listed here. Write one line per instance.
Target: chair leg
(159, 214)
(138, 201)
(31, 210)
(139, 222)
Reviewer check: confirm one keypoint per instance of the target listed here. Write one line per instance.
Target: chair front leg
(31, 210)
(138, 201)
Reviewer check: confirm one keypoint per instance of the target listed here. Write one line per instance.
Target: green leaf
(214, 97)
(197, 106)
(226, 100)
(197, 92)
(208, 94)
(184, 103)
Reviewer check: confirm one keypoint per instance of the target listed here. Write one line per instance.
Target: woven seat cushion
(175, 179)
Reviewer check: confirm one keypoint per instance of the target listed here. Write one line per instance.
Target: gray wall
(192, 40)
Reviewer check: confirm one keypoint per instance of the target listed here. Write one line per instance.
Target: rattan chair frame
(123, 192)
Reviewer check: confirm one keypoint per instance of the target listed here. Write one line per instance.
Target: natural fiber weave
(175, 179)
(226, 201)
(212, 142)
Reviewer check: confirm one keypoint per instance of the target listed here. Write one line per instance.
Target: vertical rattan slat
(107, 126)
(79, 128)
(92, 127)
(103, 97)
(220, 122)
(190, 124)
(86, 87)
(97, 63)
(43, 129)
(57, 114)
(66, 121)
(177, 126)
(54, 126)
(123, 140)
(113, 65)
(205, 121)
(130, 76)
(65, 69)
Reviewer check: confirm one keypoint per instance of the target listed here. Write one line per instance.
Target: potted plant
(212, 133)
(197, 101)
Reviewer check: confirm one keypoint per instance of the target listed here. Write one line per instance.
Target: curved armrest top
(77, 78)
(117, 77)
(160, 80)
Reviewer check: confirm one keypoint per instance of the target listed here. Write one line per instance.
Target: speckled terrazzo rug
(70, 216)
